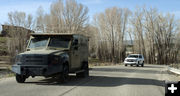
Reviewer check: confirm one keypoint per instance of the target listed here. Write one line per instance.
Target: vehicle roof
(135, 54)
(69, 35)
(52, 34)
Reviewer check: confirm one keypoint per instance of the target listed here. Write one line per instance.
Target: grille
(34, 59)
(130, 60)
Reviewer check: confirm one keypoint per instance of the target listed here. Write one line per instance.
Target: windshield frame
(130, 56)
(44, 47)
(47, 45)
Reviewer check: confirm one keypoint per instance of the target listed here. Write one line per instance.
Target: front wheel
(138, 64)
(65, 74)
(20, 78)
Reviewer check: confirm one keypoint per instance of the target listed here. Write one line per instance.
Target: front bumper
(35, 70)
(130, 63)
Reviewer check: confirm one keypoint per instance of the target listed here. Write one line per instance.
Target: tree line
(153, 34)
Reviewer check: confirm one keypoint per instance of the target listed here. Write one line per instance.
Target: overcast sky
(95, 6)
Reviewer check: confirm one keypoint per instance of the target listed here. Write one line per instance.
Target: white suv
(134, 59)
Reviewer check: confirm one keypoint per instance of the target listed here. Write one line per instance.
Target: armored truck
(53, 55)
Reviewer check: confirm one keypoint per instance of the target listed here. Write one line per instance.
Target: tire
(20, 78)
(85, 73)
(64, 76)
(125, 64)
(142, 65)
(137, 64)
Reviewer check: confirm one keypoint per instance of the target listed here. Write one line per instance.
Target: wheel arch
(83, 64)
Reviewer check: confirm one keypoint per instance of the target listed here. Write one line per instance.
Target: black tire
(64, 77)
(142, 65)
(20, 78)
(137, 64)
(85, 73)
(125, 64)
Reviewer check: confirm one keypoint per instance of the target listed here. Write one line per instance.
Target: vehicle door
(75, 58)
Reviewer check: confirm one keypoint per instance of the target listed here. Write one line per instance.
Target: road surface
(103, 81)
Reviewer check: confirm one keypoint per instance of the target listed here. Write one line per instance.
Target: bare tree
(40, 26)
(68, 17)
(20, 19)
(154, 34)
(18, 36)
(111, 26)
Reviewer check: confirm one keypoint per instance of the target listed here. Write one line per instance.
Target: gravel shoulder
(5, 72)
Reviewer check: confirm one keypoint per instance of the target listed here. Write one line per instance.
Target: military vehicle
(53, 55)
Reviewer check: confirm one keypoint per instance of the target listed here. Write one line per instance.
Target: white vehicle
(134, 59)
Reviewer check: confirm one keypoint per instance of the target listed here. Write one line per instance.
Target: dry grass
(175, 66)
(6, 72)
(103, 64)
(97, 62)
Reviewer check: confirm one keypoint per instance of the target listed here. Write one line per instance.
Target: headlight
(125, 60)
(18, 59)
(136, 60)
(54, 60)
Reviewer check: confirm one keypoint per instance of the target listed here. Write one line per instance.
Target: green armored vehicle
(53, 55)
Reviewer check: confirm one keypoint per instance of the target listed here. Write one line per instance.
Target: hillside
(4, 58)
(3, 46)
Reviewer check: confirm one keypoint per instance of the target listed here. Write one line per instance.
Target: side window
(75, 44)
(140, 56)
(59, 42)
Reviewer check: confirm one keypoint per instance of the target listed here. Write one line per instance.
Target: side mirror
(75, 42)
(27, 42)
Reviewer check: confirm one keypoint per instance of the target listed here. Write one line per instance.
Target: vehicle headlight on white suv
(125, 60)
(135, 60)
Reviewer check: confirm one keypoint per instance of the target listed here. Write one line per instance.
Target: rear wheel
(125, 64)
(85, 73)
(65, 73)
(20, 78)
(142, 65)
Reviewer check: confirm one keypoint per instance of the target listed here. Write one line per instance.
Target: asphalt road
(103, 81)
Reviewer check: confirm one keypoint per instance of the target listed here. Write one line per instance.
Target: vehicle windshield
(133, 56)
(38, 42)
(53, 43)
(59, 42)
